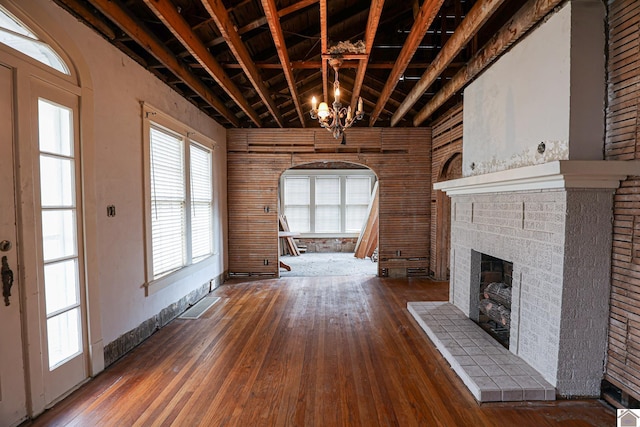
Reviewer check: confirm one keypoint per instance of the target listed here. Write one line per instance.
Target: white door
(13, 407)
(62, 313)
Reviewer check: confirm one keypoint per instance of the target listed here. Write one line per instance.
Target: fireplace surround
(554, 222)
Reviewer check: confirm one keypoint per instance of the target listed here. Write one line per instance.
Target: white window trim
(311, 173)
(151, 116)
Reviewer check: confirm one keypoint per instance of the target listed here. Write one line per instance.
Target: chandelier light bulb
(336, 118)
(323, 110)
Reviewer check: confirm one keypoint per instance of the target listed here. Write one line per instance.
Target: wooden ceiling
(257, 63)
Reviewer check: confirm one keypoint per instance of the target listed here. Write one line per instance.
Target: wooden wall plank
(447, 142)
(401, 159)
(621, 143)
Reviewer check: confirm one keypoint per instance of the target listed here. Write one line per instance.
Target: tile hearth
(491, 372)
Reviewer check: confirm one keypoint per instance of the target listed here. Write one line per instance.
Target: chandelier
(336, 118)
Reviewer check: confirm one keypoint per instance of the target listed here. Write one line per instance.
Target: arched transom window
(15, 34)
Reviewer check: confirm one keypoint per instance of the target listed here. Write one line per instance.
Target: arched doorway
(452, 169)
(325, 209)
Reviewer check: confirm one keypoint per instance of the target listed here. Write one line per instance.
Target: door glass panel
(62, 285)
(63, 334)
(55, 128)
(56, 181)
(58, 234)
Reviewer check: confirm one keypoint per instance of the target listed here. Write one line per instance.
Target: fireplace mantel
(553, 221)
(559, 174)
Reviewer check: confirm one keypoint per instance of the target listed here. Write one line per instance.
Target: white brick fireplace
(553, 222)
(536, 192)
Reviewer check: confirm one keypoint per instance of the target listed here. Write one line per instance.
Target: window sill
(162, 282)
(327, 236)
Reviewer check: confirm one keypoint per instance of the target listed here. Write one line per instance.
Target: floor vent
(199, 308)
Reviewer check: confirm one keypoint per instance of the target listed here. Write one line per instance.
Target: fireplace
(544, 232)
(491, 302)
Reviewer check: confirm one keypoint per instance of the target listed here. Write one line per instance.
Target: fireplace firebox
(492, 305)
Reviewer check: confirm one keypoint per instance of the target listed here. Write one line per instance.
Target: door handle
(7, 280)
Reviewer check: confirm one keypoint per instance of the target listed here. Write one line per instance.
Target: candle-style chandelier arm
(335, 118)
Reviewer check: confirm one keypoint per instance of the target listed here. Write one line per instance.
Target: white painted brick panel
(558, 319)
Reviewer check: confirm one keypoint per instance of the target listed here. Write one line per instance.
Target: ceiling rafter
(141, 35)
(167, 13)
(423, 20)
(525, 18)
(312, 65)
(222, 19)
(80, 9)
(370, 34)
(257, 23)
(475, 19)
(271, 13)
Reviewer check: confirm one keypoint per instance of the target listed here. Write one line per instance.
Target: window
(327, 206)
(15, 34)
(326, 202)
(201, 202)
(297, 195)
(357, 197)
(168, 202)
(181, 198)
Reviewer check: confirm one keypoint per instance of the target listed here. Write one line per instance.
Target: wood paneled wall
(447, 143)
(400, 157)
(622, 135)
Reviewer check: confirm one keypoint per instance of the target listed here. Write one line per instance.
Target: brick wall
(622, 134)
(557, 320)
(325, 244)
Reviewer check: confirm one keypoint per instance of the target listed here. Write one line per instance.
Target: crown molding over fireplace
(559, 174)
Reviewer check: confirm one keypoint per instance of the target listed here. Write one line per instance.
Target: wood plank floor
(336, 351)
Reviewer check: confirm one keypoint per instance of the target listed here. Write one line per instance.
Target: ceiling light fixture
(335, 118)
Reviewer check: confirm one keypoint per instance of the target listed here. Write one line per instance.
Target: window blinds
(168, 202)
(201, 202)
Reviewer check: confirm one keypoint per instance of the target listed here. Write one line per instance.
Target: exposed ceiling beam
(420, 26)
(166, 11)
(141, 35)
(312, 65)
(81, 9)
(242, 30)
(295, 7)
(370, 34)
(475, 19)
(221, 17)
(271, 13)
(257, 23)
(528, 16)
(323, 48)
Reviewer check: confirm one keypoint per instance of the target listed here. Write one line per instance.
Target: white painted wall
(548, 88)
(115, 141)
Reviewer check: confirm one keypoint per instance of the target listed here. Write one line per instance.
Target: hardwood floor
(336, 351)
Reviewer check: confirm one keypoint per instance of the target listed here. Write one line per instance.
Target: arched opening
(452, 169)
(327, 219)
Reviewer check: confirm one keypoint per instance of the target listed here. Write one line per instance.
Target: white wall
(549, 88)
(115, 141)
